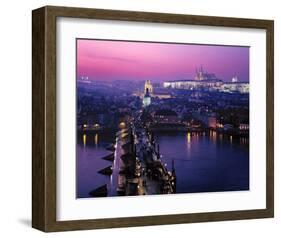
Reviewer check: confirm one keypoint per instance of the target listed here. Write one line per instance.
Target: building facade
(165, 116)
(208, 82)
(147, 98)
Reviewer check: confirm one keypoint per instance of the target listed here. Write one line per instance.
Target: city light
(188, 138)
(122, 125)
(84, 140)
(96, 137)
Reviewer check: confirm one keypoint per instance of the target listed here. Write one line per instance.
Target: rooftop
(165, 112)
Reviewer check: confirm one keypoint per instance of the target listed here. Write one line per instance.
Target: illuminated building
(158, 92)
(204, 76)
(235, 86)
(148, 89)
(234, 79)
(146, 99)
(165, 116)
(148, 86)
(241, 87)
(202, 80)
(209, 82)
(244, 126)
(193, 84)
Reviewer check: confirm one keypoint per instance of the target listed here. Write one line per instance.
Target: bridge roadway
(147, 155)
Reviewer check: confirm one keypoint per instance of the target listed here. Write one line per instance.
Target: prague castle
(210, 82)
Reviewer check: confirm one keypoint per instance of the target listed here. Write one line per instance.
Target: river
(204, 162)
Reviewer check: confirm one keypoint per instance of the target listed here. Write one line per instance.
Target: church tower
(146, 99)
(148, 86)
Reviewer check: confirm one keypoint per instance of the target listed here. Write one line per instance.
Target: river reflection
(206, 162)
(91, 147)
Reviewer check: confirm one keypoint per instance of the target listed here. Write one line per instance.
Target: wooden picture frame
(44, 118)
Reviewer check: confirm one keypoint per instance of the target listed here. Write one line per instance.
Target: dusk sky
(117, 60)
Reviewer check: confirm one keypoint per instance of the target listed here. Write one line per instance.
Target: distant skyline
(107, 60)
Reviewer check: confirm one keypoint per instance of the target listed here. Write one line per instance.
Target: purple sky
(117, 60)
